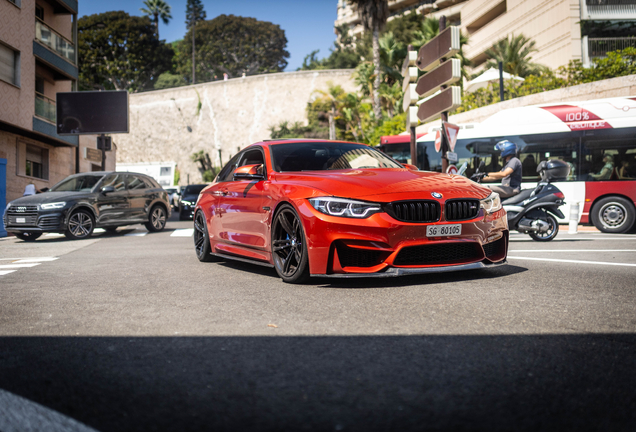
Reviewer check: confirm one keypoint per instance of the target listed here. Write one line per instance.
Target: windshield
(320, 156)
(193, 189)
(77, 184)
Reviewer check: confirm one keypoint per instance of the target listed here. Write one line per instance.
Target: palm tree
(157, 9)
(515, 54)
(194, 14)
(373, 14)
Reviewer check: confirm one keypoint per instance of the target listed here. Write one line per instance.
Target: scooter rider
(510, 174)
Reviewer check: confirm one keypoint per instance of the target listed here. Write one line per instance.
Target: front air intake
(416, 211)
(461, 209)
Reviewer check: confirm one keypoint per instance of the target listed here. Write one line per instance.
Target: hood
(49, 197)
(386, 185)
(190, 197)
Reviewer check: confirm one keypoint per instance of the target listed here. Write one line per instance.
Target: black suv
(82, 202)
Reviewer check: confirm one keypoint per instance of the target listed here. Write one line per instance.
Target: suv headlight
(492, 203)
(343, 207)
(55, 205)
(186, 202)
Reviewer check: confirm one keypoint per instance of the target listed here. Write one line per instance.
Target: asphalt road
(130, 332)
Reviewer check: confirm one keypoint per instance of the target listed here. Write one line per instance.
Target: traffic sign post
(410, 73)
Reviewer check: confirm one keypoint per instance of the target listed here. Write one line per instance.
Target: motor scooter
(534, 211)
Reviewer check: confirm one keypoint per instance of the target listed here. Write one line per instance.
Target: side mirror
(249, 172)
(107, 189)
(410, 167)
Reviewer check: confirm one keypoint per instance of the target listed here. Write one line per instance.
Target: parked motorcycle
(534, 211)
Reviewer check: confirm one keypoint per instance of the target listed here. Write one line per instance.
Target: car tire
(202, 246)
(80, 225)
(552, 231)
(289, 247)
(613, 215)
(157, 219)
(28, 237)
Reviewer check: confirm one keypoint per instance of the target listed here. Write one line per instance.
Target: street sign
(438, 141)
(92, 155)
(447, 73)
(108, 141)
(452, 157)
(452, 169)
(409, 77)
(445, 44)
(411, 117)
(409, 60)
(410, 97)
(447, 100)
(451, 130)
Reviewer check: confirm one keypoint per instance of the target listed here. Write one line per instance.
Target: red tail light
(559, 195)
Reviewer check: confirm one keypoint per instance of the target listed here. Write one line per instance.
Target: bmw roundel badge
(436, 195)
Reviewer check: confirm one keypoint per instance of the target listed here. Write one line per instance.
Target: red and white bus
(597, 138)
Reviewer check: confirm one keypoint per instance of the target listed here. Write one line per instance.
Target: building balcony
(45, 107)
(593, 48)
(53, 40)
(608, 9)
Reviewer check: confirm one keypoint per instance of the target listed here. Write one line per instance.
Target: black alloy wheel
(80, 225)
(613, 215)
(157, 220)
(553, 230)
(28, 236)
(289, 250)
(202, 239)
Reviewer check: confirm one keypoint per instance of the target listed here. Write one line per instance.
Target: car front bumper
(381, 246)
(36, 222)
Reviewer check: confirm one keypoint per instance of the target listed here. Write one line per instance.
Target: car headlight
(186, 203)
(343, 207)
(492, 203)
(55, 205)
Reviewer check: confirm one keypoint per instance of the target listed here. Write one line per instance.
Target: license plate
(443, 230)
(20, 220)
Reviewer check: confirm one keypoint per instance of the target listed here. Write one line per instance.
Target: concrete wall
(615, 87)
(172, 124)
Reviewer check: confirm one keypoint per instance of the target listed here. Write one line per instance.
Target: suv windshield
(77, 184)
(193, 189)
(320, 156)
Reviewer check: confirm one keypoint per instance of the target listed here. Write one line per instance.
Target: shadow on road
(369, 383)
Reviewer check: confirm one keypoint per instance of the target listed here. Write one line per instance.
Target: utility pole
(442, 27)
(194, 26)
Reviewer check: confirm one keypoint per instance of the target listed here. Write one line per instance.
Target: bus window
(400, 152)
(538, 148)
(609, 159)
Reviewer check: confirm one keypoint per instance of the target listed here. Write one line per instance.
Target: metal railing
(599, 47)
(609, 2)
(44, 107)
(54, 40)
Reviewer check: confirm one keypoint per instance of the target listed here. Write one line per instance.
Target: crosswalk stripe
(8, 266)
(187, 232)
(4, 272)
(32, 260)
(136, 234)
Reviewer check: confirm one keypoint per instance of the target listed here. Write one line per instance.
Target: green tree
(515, 53)
(617, 63)
(194, 14)
(169, 80)
(120, 52)
(374, 14)
(157, 9)
(233, 45)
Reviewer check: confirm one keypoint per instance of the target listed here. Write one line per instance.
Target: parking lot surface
(130, 332)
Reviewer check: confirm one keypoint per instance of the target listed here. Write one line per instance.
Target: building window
(39, 12)
(33, 161)
(18, 3)
(9, 65)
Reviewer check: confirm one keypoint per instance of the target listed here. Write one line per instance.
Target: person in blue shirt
(510, 174)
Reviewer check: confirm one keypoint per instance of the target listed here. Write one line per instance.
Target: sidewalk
(582, 228)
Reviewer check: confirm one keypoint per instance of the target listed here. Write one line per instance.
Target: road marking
(53, 235)
(573, 261)
(32, 260)
(187, 232)
(575, 250)
(99, 230)
(575, 239)
(136, 234)
(7, 266)
(4, 272)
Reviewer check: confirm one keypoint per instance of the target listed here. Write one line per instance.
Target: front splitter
(394, 272)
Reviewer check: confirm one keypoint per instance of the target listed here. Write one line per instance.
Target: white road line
(573, 261)
(99, 230)
(54, 235)
(575, 238)
(575, 250)
(136, 234)
(187, 232)
(4, 272)
(32, 260)
(8, 266)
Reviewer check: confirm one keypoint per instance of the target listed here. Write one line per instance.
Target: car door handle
(220, 193)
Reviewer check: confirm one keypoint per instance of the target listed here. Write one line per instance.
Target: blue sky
(308, 24)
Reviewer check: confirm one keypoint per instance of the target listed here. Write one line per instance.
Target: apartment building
(38, 58)
(563, 30)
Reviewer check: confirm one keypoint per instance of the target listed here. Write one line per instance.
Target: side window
(228, 170)
(135, 182)
(252, 157)
(608, 159)
(115, 180)
(544, 148)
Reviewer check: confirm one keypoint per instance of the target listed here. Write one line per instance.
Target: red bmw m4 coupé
(339, 209)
